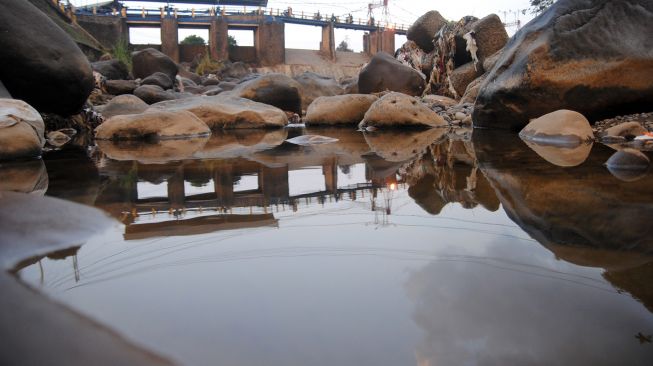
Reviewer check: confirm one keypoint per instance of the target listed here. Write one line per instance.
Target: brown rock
(400, 110)
(155, 125)
(348, 109)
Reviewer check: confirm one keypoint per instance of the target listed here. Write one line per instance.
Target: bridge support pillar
(382, 40)
(170, 38)
(218, 39)
(270, 43)
(328, 43)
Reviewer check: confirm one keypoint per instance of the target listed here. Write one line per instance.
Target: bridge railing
(232, 10)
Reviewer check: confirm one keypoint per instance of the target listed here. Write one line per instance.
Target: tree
(344, 47)
(538, 6)
(194, 39)
(231, 42)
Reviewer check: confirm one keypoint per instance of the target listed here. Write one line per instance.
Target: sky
(307, 37)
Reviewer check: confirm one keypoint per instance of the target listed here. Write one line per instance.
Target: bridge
(111, 22)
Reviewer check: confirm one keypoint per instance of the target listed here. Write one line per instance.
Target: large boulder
(227, 112)
(590, 56)
(400, 110)
(315, 85)
(236, 70)
(111, 69)
(124, 104)
(152, 126)
(41, 64)
(384, 72)
(462, 76)
(274, 89)
(148, 61)
(151, 94)
(346, 109)
(563, 128)
(424, 29)
(21, 130)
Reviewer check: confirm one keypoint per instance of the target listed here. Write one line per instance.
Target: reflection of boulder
(159, 152)
(426, 196)
(238, 143)
(398, 146)
(24, 176)
(73, 176)
(584, 205)
(561, 155)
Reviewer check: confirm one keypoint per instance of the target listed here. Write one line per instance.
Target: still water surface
(413, 248)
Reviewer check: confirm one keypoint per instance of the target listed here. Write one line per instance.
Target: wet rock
(236, 70)
(573, 56)
(124, 104)
(424, 29)
(561, 128)
(21, 130)
(41, 64)
(274, 89)
(384, 72)
(151, 94)
(210, 91)
(400, 110)
(154, 125)
(348, 109)
(210, 81)
(185, 82)
(24, 176)
(315, 86)
(148, 61)
(462, 76)
(627, 130)
(227, 112)
(159, 79)
(119, 87)
(111, 69)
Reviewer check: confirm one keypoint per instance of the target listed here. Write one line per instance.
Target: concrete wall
(218, 44)
(270, 43)
(170, 38)
(107, 30)
(245, 54)
(188, 52)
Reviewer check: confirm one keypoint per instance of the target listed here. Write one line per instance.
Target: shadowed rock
(384, 72)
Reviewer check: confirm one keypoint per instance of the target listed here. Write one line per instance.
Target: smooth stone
(154, 125)
(348, 109)
(626, 130)
(124, 104)
(561, 128)
(400, 110)
(21, 130)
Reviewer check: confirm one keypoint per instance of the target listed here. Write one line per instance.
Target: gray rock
(384, 72)
(111, 69)
(628, 165)
(151, 94)
(119, 87)
(227, 85)
(148, 61)
(124, 104)
(274, 89)
(236, 70)
(314, 85)
(160, 79)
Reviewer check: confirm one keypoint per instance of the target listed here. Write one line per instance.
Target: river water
(414, 248)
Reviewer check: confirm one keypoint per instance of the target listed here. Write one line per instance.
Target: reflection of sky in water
(246, 183)
(306, 180)
(149, 190)
(351, 175)
(340, 284)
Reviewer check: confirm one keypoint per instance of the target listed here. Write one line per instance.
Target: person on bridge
(318, 16)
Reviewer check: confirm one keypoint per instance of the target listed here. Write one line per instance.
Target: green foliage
(538, 6)
(194, 39)
(121, 52)
(231, 42)
(344, 47)
(208, 66)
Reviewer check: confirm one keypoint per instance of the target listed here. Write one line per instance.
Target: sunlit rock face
(593, 57)
(545, 200)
